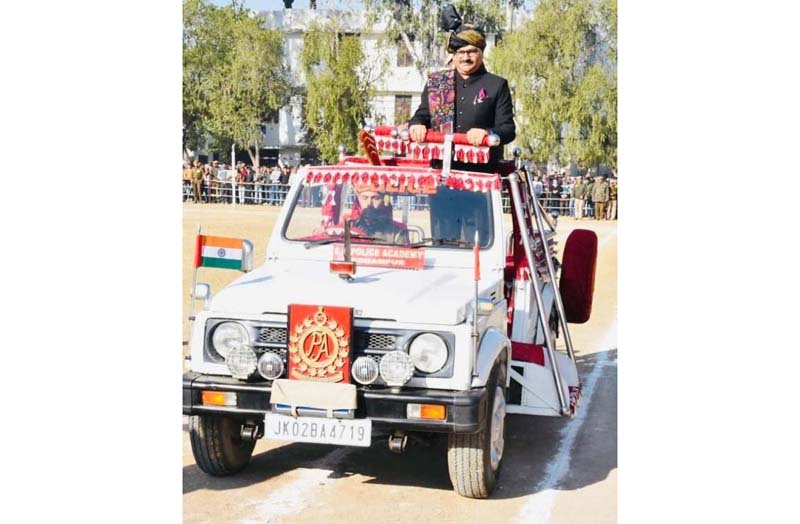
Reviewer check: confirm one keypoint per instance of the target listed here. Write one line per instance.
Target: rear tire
(474, 460)
(577, 275)
(217, 444)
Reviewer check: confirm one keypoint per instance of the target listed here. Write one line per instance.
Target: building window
(271, 117)
(402, 109)
(404, 58)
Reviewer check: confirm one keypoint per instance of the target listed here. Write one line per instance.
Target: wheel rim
(497, 427)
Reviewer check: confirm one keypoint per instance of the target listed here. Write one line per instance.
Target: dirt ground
(555, 470)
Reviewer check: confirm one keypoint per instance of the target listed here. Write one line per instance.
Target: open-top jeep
(394, 298)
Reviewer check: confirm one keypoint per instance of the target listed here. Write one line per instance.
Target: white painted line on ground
(293, 497)
(539, 505)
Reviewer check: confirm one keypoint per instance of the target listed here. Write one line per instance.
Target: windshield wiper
(331, 240)
(438, 241)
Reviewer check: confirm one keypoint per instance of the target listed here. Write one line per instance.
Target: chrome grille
(281, 352)
(272, 335)
(376, 341)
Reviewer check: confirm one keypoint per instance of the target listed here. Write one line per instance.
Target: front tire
(474, 460)
(217, 444)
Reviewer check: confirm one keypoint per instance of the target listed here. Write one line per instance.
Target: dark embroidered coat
(481, 101)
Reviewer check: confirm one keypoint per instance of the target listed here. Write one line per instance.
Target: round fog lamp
(270, 366)
(396, 368)
(365, 370)
(241, 361)
(428, 352)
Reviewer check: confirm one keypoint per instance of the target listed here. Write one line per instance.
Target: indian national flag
(221, 252)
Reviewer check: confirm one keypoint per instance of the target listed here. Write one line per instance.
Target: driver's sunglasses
(465, 52)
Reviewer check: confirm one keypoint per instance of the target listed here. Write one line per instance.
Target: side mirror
(485, 306)
(247, 255)
(201, 292)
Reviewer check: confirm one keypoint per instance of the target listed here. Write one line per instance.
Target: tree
(561, 66)
(199, 42)
(417, 21)
(592, 117)
(234, 74)
(339, 87)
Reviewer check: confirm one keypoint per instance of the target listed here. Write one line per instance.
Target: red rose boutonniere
(482, 95)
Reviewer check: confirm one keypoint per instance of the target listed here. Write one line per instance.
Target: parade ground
(554, 470)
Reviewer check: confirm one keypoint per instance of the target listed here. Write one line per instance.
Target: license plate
(357, 432)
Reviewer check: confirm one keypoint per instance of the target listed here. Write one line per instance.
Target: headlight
(227, 336)
(428, 352)
(396, 368)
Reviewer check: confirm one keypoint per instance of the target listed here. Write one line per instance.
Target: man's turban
(461, 34)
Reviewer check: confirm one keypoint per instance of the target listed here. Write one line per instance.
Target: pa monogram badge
(319, 342)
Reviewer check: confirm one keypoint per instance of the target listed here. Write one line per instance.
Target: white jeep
(373, 314)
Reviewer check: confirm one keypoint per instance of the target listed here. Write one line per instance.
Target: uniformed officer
(600, 198)
(467, 99)
(197, 180)
(611, 214)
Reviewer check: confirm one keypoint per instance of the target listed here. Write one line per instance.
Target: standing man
(578, 192)
(274, 180)
(566, 196)
(206, 183)
(600, 198)
(467, 99)
(187, 181)
(241, 175)
(197, 181)
(612, 200)
(587, 195)
(249, 185)
(215, 181)
(538, 187)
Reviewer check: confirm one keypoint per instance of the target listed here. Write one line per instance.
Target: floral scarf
(442, 100)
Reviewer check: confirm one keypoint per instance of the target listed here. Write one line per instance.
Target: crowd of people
(212, 182)
(579, 197)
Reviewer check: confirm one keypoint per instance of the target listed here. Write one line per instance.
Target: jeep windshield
(442, 218)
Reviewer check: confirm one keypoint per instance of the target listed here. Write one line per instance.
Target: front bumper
(387, 410)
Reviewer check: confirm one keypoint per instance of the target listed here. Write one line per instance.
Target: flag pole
(235, 171)
(476, 250)
(197, 256)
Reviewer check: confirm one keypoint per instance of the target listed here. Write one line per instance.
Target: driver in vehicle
(375, 217)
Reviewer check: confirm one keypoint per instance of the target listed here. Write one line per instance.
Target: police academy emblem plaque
(319, 343)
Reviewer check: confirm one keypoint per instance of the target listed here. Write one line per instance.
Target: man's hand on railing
(476, 136)
(417, 133)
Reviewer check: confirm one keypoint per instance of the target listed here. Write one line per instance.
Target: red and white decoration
(466, 181)
(387, 178)
(402, 178)
(433, 151)
(389, 139)
(394, 145)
